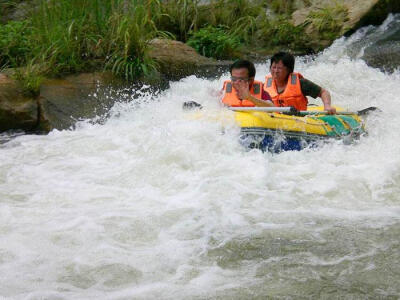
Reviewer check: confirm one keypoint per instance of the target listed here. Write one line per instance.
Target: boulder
(177, 60)
(64, 101)
(382, 48)
(359, 13)
(17, 111)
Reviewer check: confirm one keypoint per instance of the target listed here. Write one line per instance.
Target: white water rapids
(154, 204)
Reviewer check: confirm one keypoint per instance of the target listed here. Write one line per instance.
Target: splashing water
(154, 204)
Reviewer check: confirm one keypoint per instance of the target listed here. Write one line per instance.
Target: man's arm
(259, 102)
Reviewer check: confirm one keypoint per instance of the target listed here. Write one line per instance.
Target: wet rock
(64, 101)
(17, 111)
(177, 60)
(384, 55)
(380, 46)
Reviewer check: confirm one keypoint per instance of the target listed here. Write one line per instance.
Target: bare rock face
(178, 60)
(17, 111)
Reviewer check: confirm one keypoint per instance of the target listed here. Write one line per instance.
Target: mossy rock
(17, 111)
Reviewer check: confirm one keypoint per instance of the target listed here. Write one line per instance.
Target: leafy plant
(214, 42)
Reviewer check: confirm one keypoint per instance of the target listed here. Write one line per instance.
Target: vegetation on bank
(68, 36)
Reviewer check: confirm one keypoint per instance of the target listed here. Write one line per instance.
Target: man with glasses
(242, 90)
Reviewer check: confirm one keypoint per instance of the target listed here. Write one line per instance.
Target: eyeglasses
(234, 78)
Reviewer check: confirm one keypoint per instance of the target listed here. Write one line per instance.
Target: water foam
(156, 203)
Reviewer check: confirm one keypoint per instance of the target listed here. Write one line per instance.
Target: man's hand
(242, 88)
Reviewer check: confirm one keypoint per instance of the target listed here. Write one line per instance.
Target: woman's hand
(331, 110)
(326, 99)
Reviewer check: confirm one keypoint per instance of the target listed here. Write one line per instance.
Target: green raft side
(338, 124)
(355, 125)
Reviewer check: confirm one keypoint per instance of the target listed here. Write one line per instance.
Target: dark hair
(239, 64)
(286, 58)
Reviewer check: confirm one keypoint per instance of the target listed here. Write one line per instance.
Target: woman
(288, 88)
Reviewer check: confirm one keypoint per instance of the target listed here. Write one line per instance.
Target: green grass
(280, 32)
(328, 21)
(15, 46)
(69, 36)
(281, 7)
(215, 42)
(29, 78)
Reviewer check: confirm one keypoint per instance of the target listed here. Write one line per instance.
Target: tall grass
(68, 36)
(329, 20)
(73, 34)
(179, 17)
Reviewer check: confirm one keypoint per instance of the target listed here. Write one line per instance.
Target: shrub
(214, 42)
(14, 43)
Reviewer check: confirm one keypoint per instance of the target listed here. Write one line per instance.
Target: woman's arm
(326, 99)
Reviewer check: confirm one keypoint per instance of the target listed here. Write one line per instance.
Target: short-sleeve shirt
(309, 88)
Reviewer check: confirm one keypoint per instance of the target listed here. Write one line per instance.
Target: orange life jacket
(291, 96)
(231, 98)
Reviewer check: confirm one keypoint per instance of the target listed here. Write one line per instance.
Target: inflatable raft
(288, 130)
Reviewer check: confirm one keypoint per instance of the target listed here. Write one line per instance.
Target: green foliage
(244, 28)
(179, 17)
(329, 20)
(229, 12)
(14, 44)
(214, 42)
(280, 32)
(281, 7)
(128, 40)
(68, 36)
(29, 78)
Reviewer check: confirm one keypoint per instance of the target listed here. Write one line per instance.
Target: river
(154, 204)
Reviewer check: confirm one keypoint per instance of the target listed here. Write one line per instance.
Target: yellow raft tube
(279, 131)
